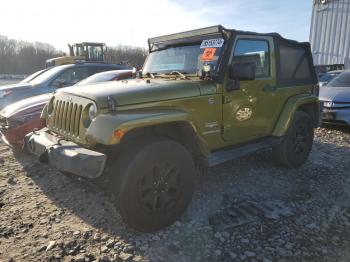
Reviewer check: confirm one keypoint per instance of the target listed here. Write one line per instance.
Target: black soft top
(294, 59)
(215, 30)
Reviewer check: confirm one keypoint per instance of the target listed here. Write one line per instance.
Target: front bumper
(66, 156)
(336, 116)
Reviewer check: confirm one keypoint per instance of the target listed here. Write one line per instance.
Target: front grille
(66, 117)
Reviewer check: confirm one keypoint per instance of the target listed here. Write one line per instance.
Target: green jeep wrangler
(203, 97)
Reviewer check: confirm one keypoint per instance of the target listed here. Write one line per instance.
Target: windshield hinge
(226, 99)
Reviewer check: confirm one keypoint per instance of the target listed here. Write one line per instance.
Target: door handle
(269, 88)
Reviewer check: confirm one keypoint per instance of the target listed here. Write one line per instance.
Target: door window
(256, 51)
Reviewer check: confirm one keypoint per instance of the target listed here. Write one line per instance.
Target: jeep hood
(138, 91)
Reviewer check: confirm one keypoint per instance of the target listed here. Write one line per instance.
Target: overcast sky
(131, 22)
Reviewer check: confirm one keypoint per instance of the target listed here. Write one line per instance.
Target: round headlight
(92, 112)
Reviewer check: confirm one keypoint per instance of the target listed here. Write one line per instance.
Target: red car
(21, 118)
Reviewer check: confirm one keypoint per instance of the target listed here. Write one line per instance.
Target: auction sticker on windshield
(208, 54)
(212, 43)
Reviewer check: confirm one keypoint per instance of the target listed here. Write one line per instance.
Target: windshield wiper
(182, 75)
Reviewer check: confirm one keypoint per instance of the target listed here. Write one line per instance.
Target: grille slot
(67, 117)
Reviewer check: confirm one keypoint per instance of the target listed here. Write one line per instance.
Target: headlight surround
(92, 112)
(50, 106)
(89, 114)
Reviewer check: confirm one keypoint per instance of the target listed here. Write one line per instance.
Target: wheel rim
(300, 140)
(159, 188)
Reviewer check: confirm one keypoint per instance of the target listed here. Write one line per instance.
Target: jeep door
(248, 110)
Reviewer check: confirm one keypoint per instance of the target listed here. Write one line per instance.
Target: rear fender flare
(292, 105)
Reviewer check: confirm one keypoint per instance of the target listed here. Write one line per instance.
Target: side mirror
(243, 71)
(240, 72)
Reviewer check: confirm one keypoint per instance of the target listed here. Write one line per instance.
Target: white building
(330, 32)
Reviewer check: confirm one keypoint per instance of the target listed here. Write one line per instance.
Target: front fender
(102, 129)
(289, 109)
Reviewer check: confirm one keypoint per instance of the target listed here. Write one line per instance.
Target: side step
(221, 156)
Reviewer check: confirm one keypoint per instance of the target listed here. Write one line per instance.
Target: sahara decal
(244, 114)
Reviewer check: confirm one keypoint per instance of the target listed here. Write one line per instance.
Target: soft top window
(295, 65)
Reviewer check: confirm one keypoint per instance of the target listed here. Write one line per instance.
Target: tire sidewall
(300, 120)
(130, 206)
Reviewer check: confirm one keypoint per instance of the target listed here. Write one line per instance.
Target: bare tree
(21, 57)
(128, 55)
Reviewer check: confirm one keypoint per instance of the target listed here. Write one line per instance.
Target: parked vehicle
(114, 75)
(51, 80)
(22, 117)
(336, 100)
(81, 52)
(203, 97)
(323, 69)
(327, 77)
(34, 75)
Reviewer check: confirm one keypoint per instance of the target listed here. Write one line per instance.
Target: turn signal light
(119, 134)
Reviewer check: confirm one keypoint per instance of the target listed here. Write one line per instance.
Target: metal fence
(330, 32)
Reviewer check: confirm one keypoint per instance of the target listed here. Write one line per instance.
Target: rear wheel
(297, 143)
(154, 184)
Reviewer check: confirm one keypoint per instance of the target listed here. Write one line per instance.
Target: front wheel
(155, 184)
(297, 143)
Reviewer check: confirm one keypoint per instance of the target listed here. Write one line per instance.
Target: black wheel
(154, 184)
(297, 143)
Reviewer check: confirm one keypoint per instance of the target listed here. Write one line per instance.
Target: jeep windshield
(186, 59)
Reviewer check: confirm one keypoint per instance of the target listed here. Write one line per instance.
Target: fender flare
(291, 106)
(102, 128)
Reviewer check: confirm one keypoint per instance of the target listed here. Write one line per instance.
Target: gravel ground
(248, 209)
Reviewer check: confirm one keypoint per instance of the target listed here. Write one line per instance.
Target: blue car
(52, 79)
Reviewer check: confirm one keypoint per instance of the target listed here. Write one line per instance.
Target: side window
(256, 51)
(71, 76)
